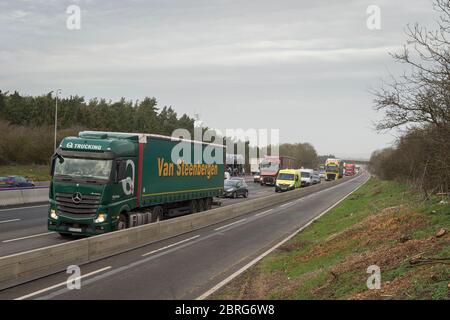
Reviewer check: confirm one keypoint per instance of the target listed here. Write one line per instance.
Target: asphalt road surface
(25, 228)
(186, 266)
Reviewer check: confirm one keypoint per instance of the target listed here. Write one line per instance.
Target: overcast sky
(305, 67)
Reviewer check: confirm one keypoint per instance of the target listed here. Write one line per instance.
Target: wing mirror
(55, 156)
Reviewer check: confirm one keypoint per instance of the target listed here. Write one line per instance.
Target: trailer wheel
(201, 205)
(194, 206)
(122, 223)
(157, 214)
(208, 203)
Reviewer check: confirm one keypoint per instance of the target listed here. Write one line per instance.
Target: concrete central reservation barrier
(23, 196)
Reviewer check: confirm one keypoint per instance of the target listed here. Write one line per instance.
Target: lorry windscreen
(84, 168)
(269, 166)
(286, 176)
(331, 169)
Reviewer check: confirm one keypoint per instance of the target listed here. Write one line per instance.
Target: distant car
(315, 177)
(15, 182)
(256, 176)
(234, 188)
(322, 174)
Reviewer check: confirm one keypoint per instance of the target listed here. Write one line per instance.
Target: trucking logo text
(72, 145)
(167, 169)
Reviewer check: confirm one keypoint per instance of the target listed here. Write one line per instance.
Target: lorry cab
(288, 179)
(334, 169)
(270, 167)
(349, 169)
(307, 177)
(92, 180)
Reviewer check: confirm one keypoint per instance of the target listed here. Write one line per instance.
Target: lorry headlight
(101, 218)
(53, 214)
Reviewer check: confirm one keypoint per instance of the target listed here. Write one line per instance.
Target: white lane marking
(261, 213)
(254, 261)
(27, 237)
(12, 220)
(61, 284)
(230, 224)
(286, 204)
(171, 245)
(20, 208)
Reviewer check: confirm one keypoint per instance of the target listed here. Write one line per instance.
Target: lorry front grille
(269, 179)
(87, 206)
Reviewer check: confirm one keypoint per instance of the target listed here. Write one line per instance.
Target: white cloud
(234, 61)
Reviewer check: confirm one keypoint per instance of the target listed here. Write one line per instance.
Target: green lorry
(107, 181)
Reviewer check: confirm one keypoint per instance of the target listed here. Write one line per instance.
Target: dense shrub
(420, 157)
(29, 145)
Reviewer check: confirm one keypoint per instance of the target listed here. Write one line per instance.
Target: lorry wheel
(122, 223)
(201, 205)
(157, 214)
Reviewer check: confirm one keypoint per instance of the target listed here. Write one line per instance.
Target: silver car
(316, 177)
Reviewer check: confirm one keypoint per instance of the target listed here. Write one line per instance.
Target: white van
(306, 177)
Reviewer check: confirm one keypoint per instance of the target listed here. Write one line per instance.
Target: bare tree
(419, 101)
(422, 94)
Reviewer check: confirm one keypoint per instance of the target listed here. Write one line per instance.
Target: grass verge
(384, 224)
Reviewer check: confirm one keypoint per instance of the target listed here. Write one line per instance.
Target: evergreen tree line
(95, 114)
(27, 122)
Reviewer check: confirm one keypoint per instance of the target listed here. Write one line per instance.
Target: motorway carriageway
(191, 265)
(25, 228)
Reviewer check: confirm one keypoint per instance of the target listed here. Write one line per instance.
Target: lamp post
(58, 91)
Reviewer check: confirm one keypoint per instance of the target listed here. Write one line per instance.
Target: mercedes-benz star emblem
(76, 198)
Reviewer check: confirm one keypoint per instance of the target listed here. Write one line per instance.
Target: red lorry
(270, 166)
(349, 169)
